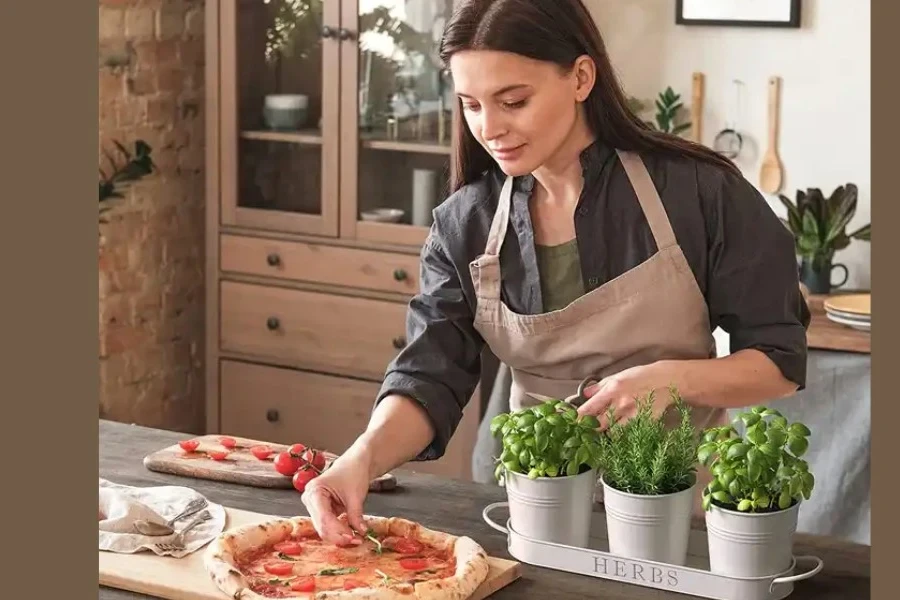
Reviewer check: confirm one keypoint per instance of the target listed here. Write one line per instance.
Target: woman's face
(520, 110)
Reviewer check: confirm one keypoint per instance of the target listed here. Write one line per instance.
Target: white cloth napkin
(122, 505)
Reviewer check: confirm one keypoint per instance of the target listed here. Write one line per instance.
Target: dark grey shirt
(739, 251)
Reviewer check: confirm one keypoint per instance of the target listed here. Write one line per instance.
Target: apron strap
(501, 220)
(648, 198)
(485, 269)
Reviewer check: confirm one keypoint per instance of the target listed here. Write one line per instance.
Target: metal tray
(693, 579)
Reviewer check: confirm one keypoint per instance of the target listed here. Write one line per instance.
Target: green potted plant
(549, 461)
(649, 479)
(752, 503)
(131, 167)
(668, 112)
(819, 227)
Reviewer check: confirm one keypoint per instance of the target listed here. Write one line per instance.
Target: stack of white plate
(852, 310)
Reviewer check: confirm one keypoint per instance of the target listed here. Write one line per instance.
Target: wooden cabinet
(328, 146)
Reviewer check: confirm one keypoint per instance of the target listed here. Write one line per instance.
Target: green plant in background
(547, 440)
(643, 456)
(761, 471)
(819, 224)
(135, 166)
(668, 105)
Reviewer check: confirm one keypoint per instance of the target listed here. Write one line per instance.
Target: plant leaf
(798, 445)
(863, 233)
(811, 227)
(799, 429)
(842, 213)
(737, 450)
(793, 214)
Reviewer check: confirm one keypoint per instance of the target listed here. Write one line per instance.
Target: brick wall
(151, 251)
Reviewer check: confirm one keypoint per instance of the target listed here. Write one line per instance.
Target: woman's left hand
(620, 391)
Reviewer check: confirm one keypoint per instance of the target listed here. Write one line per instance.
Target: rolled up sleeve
(440, 366)
(753, 283)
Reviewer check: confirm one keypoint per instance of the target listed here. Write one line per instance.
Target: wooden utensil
(771, 173)
(698, 90)
(240, 466)
(186, 578)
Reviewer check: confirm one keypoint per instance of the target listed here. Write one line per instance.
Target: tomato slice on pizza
(398, 559)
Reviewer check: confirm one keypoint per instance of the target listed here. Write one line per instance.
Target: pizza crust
(471, 560)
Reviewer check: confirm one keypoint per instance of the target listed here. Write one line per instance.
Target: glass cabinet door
(280, 114)
(396, 117)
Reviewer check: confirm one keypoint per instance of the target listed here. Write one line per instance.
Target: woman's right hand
(339, 490)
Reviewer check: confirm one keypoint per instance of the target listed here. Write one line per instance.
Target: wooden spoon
(771, 173)
(697, 108)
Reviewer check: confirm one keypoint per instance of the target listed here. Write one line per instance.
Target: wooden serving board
(186, 578)
(239, 467)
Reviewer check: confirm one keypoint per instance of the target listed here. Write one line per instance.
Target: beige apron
(654, 311)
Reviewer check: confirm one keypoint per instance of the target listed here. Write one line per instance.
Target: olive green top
(560, 272)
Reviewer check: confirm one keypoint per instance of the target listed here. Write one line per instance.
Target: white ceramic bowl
(287, 101)
(383, 215)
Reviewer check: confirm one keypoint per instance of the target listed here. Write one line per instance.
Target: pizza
(398, 559)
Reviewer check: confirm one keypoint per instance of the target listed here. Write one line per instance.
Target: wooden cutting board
(239, 467)
(186, 578)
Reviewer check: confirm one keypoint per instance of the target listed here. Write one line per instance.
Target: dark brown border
(50, 295)
(885, 407)
(792, 23)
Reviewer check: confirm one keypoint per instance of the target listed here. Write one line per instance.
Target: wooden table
(456, 507)
(825, 334)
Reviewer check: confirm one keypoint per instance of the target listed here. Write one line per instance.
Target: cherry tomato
(304, 584)
(289, 548)
(287, 464)
(349, 584)
(228, 442)
(261, 452)
(302, 477)
(189, 445)
(217, 455)
(297, 449)
(414, 564)
(404, 545)
(315, 458)
(280, 568)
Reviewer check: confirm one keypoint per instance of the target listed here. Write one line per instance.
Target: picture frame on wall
(738, 13)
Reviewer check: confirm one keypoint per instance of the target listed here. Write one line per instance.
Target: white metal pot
(750, 544)
(552, 509)
(649, 527)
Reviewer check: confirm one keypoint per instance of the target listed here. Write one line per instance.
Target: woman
(576, 242)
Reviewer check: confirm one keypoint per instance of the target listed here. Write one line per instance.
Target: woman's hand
(619, 391)
(339, 490)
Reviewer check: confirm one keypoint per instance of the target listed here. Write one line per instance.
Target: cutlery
(156, 529)
(177, 543)
(771, 172)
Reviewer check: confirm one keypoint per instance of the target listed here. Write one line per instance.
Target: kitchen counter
(455, 507)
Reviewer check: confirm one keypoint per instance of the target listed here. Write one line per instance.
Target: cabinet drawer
(286, 406)
(367, 269)
(354, 336)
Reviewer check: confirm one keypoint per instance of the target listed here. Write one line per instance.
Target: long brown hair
(557, 31)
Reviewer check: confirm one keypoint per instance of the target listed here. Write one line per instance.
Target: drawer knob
(399, 274)
(271, 415)
(273, 259)
(272, 323)
(399, 342)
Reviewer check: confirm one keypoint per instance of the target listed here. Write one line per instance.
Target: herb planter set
(553, 458)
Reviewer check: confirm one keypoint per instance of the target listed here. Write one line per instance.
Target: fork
(177, 543)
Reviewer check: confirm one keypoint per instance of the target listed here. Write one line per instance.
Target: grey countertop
(455, 507)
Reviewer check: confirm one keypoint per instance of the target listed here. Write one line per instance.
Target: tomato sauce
(312, 566)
